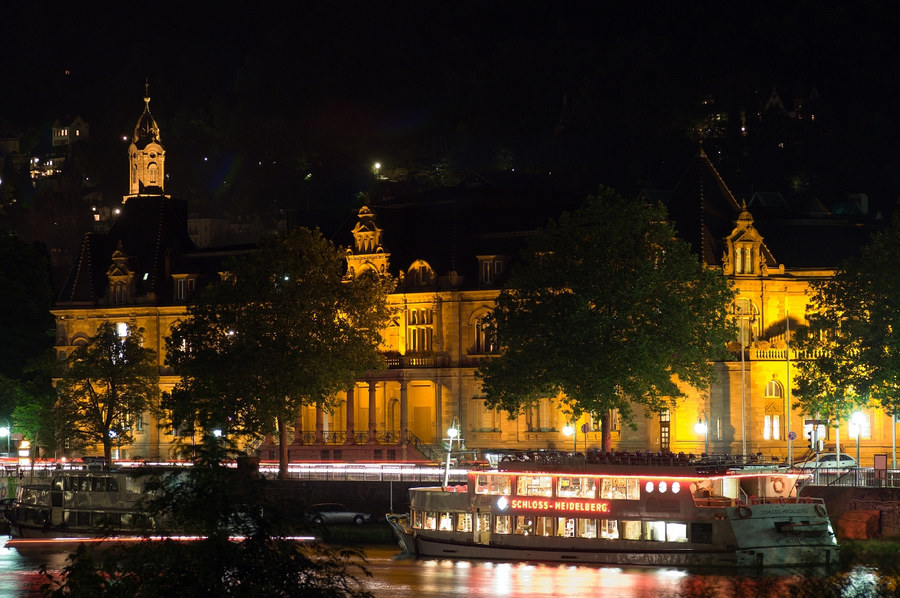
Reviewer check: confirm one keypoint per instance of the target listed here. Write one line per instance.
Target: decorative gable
(121, 279)
(367, 253)
(745, 254)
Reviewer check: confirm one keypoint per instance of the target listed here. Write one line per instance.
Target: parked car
(333, 512)
(828, 461)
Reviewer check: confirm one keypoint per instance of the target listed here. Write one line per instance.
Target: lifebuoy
(820, 510)
(778, 485)
(744, 511)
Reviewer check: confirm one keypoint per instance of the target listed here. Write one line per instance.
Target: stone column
(320, 425)
(404, 418)
(351, 416)
(372, 432)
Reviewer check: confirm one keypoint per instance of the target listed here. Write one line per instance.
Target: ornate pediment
(367, 252)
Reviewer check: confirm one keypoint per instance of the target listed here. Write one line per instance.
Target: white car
(828, 461)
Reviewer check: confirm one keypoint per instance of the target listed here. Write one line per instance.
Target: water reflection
(394, 577)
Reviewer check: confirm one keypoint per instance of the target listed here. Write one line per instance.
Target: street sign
(585, 428)
(792, 435)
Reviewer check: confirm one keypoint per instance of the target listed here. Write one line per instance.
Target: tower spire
(146, 154)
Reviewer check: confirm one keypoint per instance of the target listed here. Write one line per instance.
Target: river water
(399, 577)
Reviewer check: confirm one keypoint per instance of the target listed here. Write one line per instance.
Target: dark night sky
(342, 84)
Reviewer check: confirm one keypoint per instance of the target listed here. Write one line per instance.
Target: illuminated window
(464, 522)
(524, 526)
(586, 528)
(430, 521)
(446, 523)
(609, 529)
(528, 485)
(492, 484)
(543, 526)
(621, 488)
(502, 524)
(483, 523)
(418, 518)
(676, 532)
(419, 330)
(631, 530)
(576, 487)
(774, 407)
(565, 527)
(654, 531)
(485, 339)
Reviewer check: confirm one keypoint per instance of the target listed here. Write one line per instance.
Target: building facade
(450, 251)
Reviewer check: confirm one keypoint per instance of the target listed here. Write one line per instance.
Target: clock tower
(146, 155)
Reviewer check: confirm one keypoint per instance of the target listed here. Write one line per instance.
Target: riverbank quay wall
(849, 505)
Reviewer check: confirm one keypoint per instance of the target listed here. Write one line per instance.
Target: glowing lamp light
(217, 433)
(701, 428)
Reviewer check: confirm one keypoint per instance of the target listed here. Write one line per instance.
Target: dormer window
(185, 284)
(490, 268)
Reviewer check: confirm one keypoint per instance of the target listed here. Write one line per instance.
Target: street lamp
(452, 432)
(702, 427)
(7, 432)
(743, 311)
(857, 420)
(571, 430)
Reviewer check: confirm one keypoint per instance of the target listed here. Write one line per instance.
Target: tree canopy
(108, 384)
(283, 330)
(609, 308)
(852, 342)
(243, 549)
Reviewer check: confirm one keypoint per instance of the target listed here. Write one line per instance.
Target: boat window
(543, 526)
(676, 532)
(701, 533)
(464, 522)
(58, 483)
(534, 485)
(112, 485)
(430, 520)
(417, 519)
(609, 529)
(446, 524)
(631, 530)
(492, 484)
(586, 528)
(501, 524)
(98, 484)
(576, 487)
(655, 531)
(621, 488)
(484, 522)
(565, 527)
(524, 526)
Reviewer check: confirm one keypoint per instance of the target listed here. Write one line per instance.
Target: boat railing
(703, 463)
(713, 501)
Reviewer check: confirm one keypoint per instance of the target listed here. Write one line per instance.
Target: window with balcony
(419, 330)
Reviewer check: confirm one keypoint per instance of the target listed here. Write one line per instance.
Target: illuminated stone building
(141, 272)
(450, 251)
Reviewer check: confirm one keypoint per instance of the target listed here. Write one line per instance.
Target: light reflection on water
(394, 577)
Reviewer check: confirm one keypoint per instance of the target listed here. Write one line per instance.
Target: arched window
(419, 330)
(773, 400)
(485, 338)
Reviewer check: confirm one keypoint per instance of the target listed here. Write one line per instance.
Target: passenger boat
(82, 504)
(623, 509)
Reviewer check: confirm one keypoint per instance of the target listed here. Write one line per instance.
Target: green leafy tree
(35, 415)
(609, 309)
(852, 342)
(108, 383)
(244, 550)
(284, 330)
